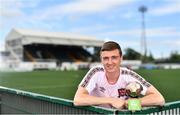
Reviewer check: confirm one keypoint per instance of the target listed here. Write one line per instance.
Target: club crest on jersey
(122, 93)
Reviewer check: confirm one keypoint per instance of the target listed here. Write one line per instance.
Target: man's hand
(126, 104)
(118, 103)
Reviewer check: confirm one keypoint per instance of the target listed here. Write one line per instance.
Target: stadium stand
(28, 46)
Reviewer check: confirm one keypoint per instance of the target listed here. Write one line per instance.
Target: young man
(105, 85)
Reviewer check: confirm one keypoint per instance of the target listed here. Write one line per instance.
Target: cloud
(174, 42)
(10, 8)
(151, 32)
(163, 32)
(82, 7)
(169, 8)
(14, 8)
(89, 6)
(92, 28)
(15, 13)
(127, 15)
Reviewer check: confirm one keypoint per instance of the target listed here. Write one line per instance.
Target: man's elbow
(77, 102)
(161, 101)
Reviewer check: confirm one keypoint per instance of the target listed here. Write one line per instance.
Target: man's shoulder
(95, 71)
(126, 71)
(97, 68)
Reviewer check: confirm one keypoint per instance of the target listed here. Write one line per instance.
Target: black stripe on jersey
(136, 76)
(90, 74)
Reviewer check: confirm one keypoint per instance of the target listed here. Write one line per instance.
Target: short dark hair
(111, 45)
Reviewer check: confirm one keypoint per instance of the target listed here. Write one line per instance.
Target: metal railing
(23, 102)
(18, 101)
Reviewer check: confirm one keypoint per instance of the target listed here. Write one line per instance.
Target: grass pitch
(64, 84)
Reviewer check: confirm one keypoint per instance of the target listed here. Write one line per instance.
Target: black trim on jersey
(136, 76)
(90, 74)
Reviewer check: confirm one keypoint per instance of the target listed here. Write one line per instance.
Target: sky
(117, 20)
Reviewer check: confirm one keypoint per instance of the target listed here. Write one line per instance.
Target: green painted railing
(18, 101)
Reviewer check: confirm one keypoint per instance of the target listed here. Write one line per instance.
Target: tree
(131, 54)
(174, 57)
(150, 58)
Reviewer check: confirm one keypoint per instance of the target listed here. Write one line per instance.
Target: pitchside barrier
(23, 102)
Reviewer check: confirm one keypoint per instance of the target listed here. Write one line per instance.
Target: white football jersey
(95, 82)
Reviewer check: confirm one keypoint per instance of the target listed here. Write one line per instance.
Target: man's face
(111, 60)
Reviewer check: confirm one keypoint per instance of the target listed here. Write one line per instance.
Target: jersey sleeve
(141, 80)
(90, 79)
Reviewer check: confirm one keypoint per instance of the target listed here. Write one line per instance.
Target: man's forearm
(82, 98)
(152, 99)
(91, 100)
